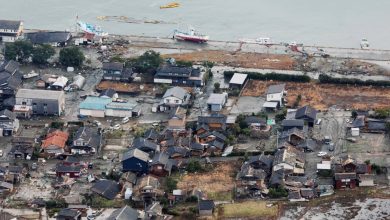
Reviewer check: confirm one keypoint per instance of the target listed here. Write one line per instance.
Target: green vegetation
(382, 113)
(96, 201)
(41, 53)
(280, 116)
(208, 64)
(183, 63)
(146, 63)
(71, 56)
(249, 209)
(278, 192)
(194, 166)
(271, 76)
(171, 183)
(57, 124)
(323, 78)
(19, 50)
(220, 196)
(217, 87)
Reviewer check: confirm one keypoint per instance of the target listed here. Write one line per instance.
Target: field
(323, 96)
(216, 184)
(249, 209)
(239, 59)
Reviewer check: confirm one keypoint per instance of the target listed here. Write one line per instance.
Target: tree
(19, 50)
(217, 87)
(148, 62)
(171, 184)
(71, 56)
(193, 166)
(42, 53)
(278, 192)
(354, 114)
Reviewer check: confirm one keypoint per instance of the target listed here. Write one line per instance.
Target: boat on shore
(170, 5)
(190, 35)
(30, 75)
(364, 44)
(91, 29)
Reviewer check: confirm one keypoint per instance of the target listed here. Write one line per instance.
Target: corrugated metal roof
(94, 103)
(217, 99)
(121, 106)
(238, 78)
(39, 94)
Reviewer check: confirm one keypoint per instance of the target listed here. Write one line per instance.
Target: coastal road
(356, 53)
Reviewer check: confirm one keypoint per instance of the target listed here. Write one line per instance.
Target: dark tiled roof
(142, 143)
(174, 71)
(130, 177)
(277, 178)
(9, 66)
(362, 168)
(44, 37)
(70, 213)
(306, 111)
(294, 195)
(248, 171)
(276, 88)
(196, 146)
(8, 24)
(134, 152)
(7, 113)
(206, 205)
(177, 150)
(162, 158)
(217, 144)
(308, 144)
(67, 169)
(340, 176)
(307, 192)
(108, 92)
(125, 213)
(213, 118)
(376, 125)
(293, 123)
(358, 122)
(263, 159)
(151, 134)
(106, 188)
(116, 66)
(89, 135)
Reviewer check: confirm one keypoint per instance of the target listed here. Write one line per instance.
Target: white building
(174, 97)
(10, 31)
(217, 101)
(275, 94)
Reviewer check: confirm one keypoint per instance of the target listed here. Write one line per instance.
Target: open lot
(249, 209)
(240, 59)
(216, 184)
(323, 96)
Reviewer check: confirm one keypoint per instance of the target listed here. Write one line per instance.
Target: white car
(321, 154)
(1, 153)
(98, 123)
(125, 120)
(116, 127)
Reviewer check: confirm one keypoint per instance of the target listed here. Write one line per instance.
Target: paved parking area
(247, 105)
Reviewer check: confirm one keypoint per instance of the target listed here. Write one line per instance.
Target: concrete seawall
(356, 53)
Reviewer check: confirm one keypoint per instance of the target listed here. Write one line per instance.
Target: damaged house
(86, 140)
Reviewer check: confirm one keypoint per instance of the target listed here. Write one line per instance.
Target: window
(34, 104)
(176, 101)
(45, 104)
(24, 103)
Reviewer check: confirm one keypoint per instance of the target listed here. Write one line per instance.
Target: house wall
(369, 182)
(92, 113)
(173, 101)
(135, 165)
(158, 170)
(205, 212)
(119, 113)
(70, 174)
(275, 97)
(43, 106)
(215, 108)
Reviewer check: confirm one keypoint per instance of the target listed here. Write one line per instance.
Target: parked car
(125, 120)
(81, 116)
(116, 127)
(331, 146)
(321, 154)
(1, 153)
(98, 123)
(327, 140)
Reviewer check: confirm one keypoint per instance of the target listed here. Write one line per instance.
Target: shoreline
(236, 46)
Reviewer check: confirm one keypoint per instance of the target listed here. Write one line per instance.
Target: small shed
(78, 82)
(238, 80)
(60, 83)
(355, 132)
(216, 101)
(206, 207)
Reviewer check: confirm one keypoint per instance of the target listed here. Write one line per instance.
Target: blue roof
(95, 103)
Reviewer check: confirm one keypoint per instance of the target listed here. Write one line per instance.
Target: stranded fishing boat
(364, 44)
(170, 5)
(190, 35)
(30, 75)
(91, 29)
